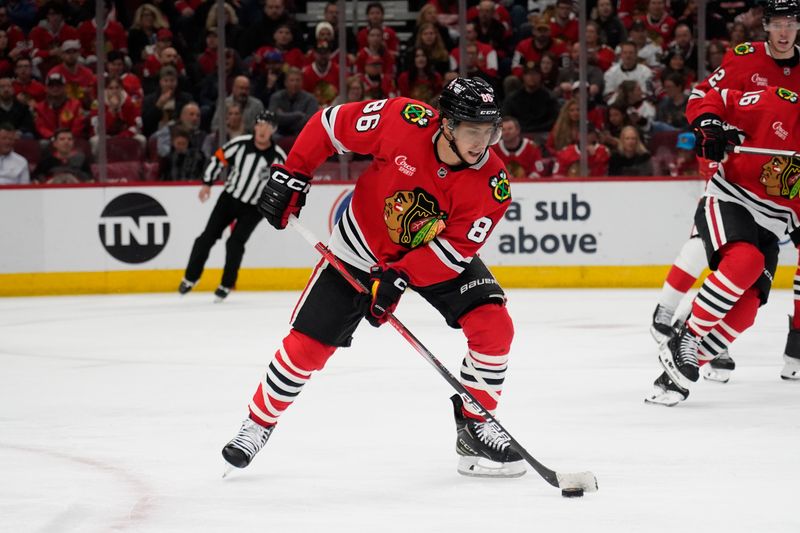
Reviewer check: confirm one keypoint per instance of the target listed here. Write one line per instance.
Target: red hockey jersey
(768, 186)
(409, 210)
(524, 162)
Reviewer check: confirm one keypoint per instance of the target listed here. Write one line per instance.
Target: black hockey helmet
(469, 100)
(268, 117)
(781, 8)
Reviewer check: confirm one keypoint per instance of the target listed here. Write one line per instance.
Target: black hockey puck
(572, 493)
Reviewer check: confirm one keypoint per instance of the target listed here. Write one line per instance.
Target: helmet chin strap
(454, 148)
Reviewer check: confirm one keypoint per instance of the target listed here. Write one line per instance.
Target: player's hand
(283, 195)
(386, 288)
(204, 193)
(713, 137)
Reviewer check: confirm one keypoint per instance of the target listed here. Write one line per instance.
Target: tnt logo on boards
(134, 228)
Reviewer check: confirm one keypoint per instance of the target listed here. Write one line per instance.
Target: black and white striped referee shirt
(248, 167)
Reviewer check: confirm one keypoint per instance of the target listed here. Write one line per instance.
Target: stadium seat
(119, 149)
(30, 150)
(120, 171)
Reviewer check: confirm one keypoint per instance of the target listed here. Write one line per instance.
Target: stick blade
(578, 480)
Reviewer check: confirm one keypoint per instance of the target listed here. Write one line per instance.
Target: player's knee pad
(488, 328)
(306, 353)
(742, 263)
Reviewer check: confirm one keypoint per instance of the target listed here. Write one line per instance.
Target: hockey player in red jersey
(750, 203)
(418, 217)
(746, 67)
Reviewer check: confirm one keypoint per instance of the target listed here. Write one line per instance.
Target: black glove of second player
(284, 194)
(713, 136)
(386, 288)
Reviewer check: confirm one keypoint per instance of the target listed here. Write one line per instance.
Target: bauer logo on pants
(134, 228)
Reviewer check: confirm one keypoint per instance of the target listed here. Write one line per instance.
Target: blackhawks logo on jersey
(417, 114)
(413, 217)
(501, 189)
(743, 49)
(787, 95)
(780, 176)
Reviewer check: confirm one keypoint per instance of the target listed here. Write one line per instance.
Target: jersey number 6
(369, 120)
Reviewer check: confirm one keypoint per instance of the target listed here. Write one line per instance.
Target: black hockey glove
(386, 288)
(283, 195)
(713, 137)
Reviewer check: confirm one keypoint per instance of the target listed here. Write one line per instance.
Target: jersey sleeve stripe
(329, 123)
(446, 257)
(453, 252)
(696, 93)
(724, 94)
(351, 229)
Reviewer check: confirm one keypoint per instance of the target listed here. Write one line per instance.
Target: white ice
(113, 411)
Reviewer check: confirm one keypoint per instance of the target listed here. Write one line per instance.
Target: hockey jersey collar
(462, 166)
(791, 62)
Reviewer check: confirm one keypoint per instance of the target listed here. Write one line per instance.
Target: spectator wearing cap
(631, 158)
(487, 56)
(208, 59)
(490, 30)
(321, 78)
(28, 90)
(648, 51)
(532, 105)
(331, 17)
(147, 20)
(116, 69)
(627, 68)
(14, 33)
(250, 105)
(375, 14)
(659, 23)
(292, 106)
(115, 36)
(377, 85)
(375, 48)
(290, 55)
(271, 78)
(80, 80)
(256, 35)
(569, 77)
(58, 111)
(612, 30)
(530, 50)
(13, 112)
(564, 24)
(420, 82)
(13, 167)
(163, 105)
(48, 36)
(62, 163)
(684, 44)
(521, 157)
(123, 116)
(685, 162)
(188, 119)
(184, 161)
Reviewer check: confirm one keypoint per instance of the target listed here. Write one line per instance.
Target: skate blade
(791, 369)
(714, 375)
(228, 469)
(471, 466)
(658, 336)
(666, 398)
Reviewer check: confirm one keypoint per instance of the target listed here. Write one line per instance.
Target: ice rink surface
(113, 411)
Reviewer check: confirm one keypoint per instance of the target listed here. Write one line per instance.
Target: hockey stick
(580, 480)
(762, 151)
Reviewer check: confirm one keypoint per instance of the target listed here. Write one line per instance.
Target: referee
(248, 158)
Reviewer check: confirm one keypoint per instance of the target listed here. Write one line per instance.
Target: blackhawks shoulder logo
(417, 114)
(413, 217)
(501, 188)
(780, 176)
(743, 49)
(787, 95)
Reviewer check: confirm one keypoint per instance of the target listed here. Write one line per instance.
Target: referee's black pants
(227, 210)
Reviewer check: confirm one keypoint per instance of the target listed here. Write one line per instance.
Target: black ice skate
(678, 356)
(185, 286)
(221, 293)
(666, 392)
(484, 451)
(661, 329)
(246, 444)
(791, 354)
(720, 368)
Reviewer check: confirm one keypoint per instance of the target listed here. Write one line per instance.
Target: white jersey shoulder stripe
(328, 118)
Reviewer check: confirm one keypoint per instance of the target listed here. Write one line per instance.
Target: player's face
(473, 138)
(782, 34)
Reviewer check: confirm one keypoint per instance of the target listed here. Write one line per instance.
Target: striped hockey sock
(483, 375)
(684, 272)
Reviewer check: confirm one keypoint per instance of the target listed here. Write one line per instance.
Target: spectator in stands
(356, 91)
(233, 30)
(489, 29)
(147, 20)
(641, 112)
(183, 162)
(285, 44)
(739, 34)
(13, 167)
(189, 120)
(672, 107)
(521, 157)
(567, 160)
(234, 127)
(48, 36)
(632, 158)
(684, 44)
(271, 79)
(63, 164)
(685, 161)
(569, 76)
(648, 51)
(12, 111)
(428, 14)
(331, 16)
(375, 16)
(17, 44)
(564, 25)
(565, 128)
(599, 54)
(420, 82)
(752, 23)
(715, 51)
(321, 78)
(208, 59)
(549, 67)
(80, 80)
(162, 106)
(57, 110)
(375, 48)
(612, 31)
(116, 38)
(123, 117)
(675, 64)
(22, 13)
(6, 60)
(292, 106)
(659, 23)
(116, 70)
(377, 85)
(616, 121)
(447, 12)
(529, 51)
(487, 56)
(263, 32)
(430, 41)
(476, 67)
(250, 105)
(208, 90)
(28, 90)
(532, 105)
(628, 68)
